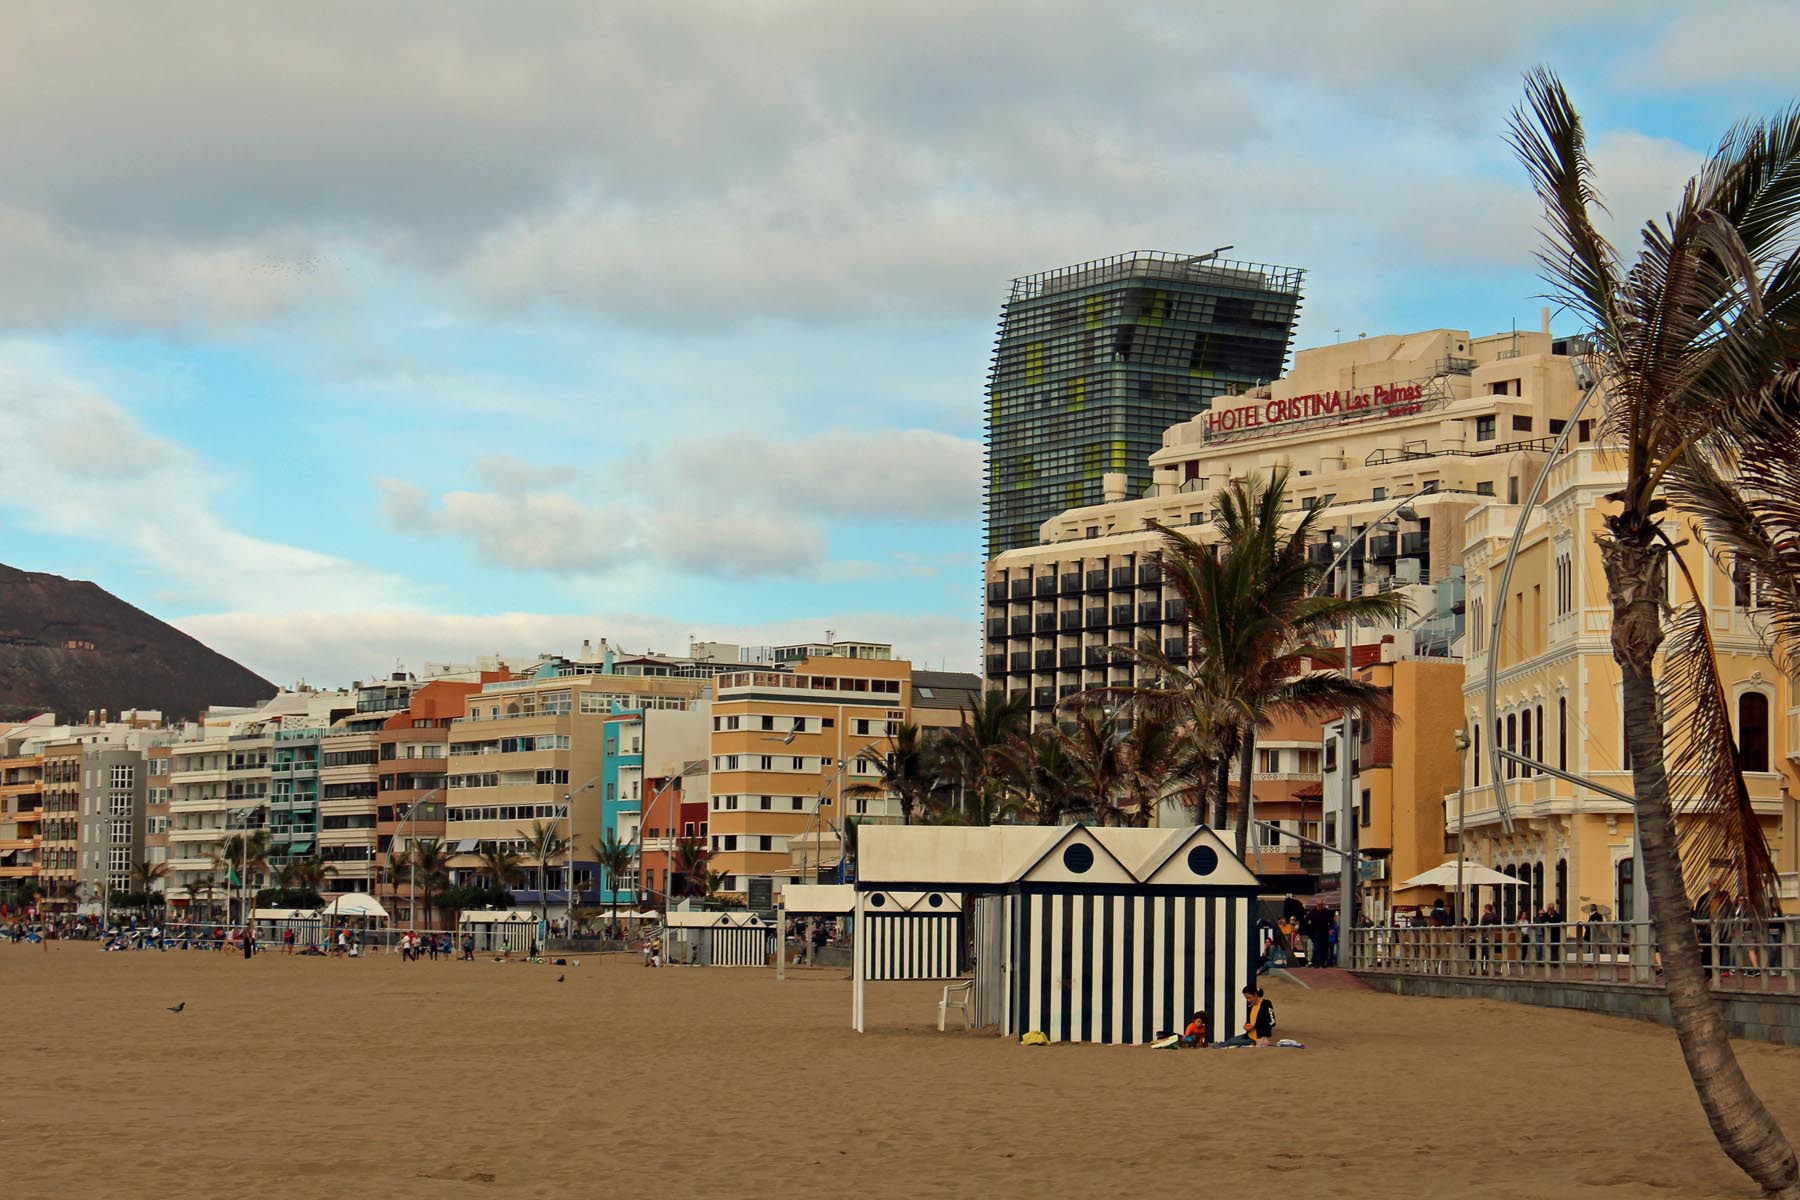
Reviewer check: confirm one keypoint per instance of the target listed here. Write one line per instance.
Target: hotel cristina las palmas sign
(1400, 400)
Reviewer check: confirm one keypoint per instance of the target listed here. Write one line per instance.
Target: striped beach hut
(719, 939)
(1085, 934)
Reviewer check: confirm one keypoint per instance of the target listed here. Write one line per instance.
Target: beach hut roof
(818, 897)
(497, 916)
(996, 856)
(284, 914)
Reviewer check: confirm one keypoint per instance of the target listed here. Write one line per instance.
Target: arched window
(1537, 886)
(1623, 884)
(1512, 744)
(1562, 732)
(1509, 897)
(1477, 728)
(1525, 740)
(1753, 731)
(1543, 737)
(1562, 887)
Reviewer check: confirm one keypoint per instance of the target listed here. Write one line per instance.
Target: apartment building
(644, 789)
(1439, 419)
(21, 805)
(1558, 700)
(533, 749)
(785, 746)
(412, 750)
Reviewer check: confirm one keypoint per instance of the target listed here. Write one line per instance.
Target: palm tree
(1695, 345)
(242, 856)
(1160, 761)
(145, 875)
(690, 865)
(901, 772)
(1093, 743)
(1043, 776)
(398, 864)
(543, 843)
(307, 874)
(979, 755)
(501, 865)
(615, 859)
(431, 866)
(205, 885)
(1258, 630)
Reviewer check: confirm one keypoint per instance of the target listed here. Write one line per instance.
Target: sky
(350, 336)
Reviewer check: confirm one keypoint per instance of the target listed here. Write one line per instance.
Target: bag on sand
(1036, 1037)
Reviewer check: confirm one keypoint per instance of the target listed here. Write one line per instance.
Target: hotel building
(1558, 700)
(1094, 361)
(412, 752)
(1452, 421)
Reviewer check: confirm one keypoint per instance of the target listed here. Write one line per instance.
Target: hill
(67, 646)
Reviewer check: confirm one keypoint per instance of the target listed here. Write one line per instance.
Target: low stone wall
(1757, 1017)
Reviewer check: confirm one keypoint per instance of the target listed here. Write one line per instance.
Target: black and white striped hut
(1085, 934)
(718, 939)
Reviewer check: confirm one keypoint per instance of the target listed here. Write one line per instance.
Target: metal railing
(1739, 954)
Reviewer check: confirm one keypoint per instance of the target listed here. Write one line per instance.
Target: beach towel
(1172, 1042)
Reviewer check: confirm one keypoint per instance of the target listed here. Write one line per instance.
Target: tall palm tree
(431, 864)
(501, 865)
(615, 859)
(203, 886)
(1695, 344)
(979, 755)
(543, 842)
(1258, 632)
(900, 771)
(307, 874)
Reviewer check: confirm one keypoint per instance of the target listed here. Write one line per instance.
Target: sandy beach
(298, 1078)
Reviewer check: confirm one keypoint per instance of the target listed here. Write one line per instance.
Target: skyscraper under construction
(1095, 360)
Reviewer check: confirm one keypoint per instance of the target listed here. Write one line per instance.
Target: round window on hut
(877, 901)
(1078, 858)
(1203, 860)
(936, 900)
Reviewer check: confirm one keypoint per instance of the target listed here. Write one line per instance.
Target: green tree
(689, 867)
(501, 865)
(203, 887)
(1160, 761)
(242, 856)
(397, 867)
(145, 878)
(980, 756)
(1044, 776)
(615, 859)
(1695, 345)
(1094, 745)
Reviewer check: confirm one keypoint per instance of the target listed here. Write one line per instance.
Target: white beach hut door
(990, 960)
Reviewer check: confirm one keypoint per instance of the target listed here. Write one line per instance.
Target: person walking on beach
(287, 940)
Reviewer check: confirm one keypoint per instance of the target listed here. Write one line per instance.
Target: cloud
(336, 648)
(78, 465)
(708, 165)
(1721, 44)
(740, 506)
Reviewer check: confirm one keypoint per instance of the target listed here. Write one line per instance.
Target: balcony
(1175, 610)
(1069, 621)
(1415, 545)
(1070, 657)
(1043, 698)
(1044, 585)
(1096, 618)
(1121, 577)
(996, 593)
(1319, 554)
(1382, 548)
(1148, 612)
(1096, 580)
(1045, 622)
(1175, 647)
(996, 665)
(1021, 626)
(1021, 661)
(1044, 660)
(1121, 614)
(1021, 589)
(1149, 574)
(1071, 582)
(996, 627)
(1097, 656)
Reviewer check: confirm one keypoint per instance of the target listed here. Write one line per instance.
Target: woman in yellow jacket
(1259, 1020)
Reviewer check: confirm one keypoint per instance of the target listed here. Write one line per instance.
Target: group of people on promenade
(1300, 936)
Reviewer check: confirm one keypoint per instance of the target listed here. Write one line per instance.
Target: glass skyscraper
(1094, 361)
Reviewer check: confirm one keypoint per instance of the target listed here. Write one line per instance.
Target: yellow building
(1558, 698)
(785, 746)
(21, 808)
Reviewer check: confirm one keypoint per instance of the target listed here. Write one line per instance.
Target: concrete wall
(1763, 1018)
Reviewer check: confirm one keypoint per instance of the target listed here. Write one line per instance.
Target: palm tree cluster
(1696, 346)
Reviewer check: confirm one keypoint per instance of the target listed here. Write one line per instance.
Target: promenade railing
(1739, 954)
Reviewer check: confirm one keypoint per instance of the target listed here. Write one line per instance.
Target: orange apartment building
(21, 810)
(413, 747)
(784, 748)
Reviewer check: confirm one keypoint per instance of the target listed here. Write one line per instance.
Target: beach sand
(298, 1078)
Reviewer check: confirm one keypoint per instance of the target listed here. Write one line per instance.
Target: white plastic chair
(956, 995)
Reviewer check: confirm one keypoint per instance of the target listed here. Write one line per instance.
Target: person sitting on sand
(1195, 1033)
(1259, 1020)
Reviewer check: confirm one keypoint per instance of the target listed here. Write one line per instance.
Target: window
(1484, 488)
(1484, 429)
(1753, 731)
(1521, 424)
(1525, 740)
(1367, 809)
(1512, 489)
(1477, 749)
(1512, 744)
(1584, 431)
(1562, 732)
(1624, 885)
(1379, 494)
(1271, 835)
(1743, 593)
(1557, 426)
(768, 723)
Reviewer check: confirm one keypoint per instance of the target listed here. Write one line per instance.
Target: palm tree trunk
(1743, 1126)
(1223, 793)
(1246, 760)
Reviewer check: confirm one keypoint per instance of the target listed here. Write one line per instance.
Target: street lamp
(569, 889)
(1462, 775)
(412, 860)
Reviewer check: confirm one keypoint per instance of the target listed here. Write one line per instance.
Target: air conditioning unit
(1406, 570)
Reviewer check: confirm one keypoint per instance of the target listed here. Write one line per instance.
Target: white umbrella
(1473, 875)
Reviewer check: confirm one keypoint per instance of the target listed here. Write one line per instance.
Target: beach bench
(956, 995)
